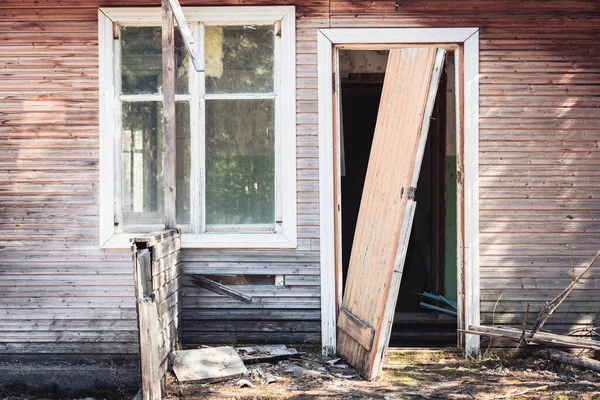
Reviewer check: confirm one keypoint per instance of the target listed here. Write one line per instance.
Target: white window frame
(285, 232)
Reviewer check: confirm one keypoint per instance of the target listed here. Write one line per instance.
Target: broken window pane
(240, 162)
(239, 59)
(141, 61)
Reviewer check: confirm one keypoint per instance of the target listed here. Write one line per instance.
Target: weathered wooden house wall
(539, 176)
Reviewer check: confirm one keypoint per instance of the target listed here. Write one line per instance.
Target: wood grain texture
(168, 117)
(393, 164)
(54, 277)
(157, 271)
(49, 64)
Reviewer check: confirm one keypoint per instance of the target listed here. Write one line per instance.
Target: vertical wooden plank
(143, 274)
(409, 89)
(471, 188)
(169, 144)
(107, 110)
(327, 208)
(149, 350)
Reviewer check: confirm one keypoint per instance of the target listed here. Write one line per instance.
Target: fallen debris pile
(247, 367)
(536, 336)
(546, 338)
(406, 375)
(211, 364)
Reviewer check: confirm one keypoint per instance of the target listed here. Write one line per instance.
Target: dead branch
(549, 309)
(591, 329)
(562, 357)
(523, 341)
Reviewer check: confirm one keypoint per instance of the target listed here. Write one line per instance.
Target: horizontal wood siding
(59, 293)
(540, 182)
(539, 153)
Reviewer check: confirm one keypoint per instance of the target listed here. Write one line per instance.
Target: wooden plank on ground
(538, 338)
(265, 353)
(385, 215)
(209, 364)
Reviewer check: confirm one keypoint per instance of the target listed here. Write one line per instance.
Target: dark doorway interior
(430, 264)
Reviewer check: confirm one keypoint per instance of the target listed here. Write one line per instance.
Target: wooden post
(169, 143)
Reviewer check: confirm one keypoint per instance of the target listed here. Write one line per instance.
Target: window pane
(141, 61)
(239, 59)
(240, 162)
(142, 180)
(182, 109)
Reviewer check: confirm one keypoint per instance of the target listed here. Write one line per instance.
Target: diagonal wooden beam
(186, 34)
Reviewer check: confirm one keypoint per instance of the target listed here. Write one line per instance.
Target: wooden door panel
(387, 206)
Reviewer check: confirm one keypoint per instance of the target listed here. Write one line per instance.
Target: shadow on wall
(539, 183)
(61, 296)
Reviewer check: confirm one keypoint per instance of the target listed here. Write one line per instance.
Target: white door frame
(466, 40)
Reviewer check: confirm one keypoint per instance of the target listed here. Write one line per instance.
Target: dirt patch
(407, 375)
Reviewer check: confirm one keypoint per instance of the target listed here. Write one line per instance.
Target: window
(235, 127)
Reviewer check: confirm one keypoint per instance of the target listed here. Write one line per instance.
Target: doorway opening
(430, 266)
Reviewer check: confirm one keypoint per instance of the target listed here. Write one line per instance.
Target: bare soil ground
(407, 375)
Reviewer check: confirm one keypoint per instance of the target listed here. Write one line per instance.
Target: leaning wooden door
(387, 207)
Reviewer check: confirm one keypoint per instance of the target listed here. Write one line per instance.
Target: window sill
(215, 241)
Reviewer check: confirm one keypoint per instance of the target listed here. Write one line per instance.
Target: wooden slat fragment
(207, 364)
(216, 287)
(170, 143)
(356, 329)
(186, 34)
(265, 353)
(538, 338)
(149, 350)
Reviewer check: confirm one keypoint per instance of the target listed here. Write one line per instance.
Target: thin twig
(493, 323)
(522, 392)
(523, 340)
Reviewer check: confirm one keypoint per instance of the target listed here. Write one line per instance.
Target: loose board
(387, 206)
(209, 364)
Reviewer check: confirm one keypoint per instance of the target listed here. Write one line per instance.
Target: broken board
(265, 353)
(387, 207)
(208, 364)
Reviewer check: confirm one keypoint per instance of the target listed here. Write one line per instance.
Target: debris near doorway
(210, 364)
(207, 364)
(266, 353)
(270, 366)
(422, 374)
(540, 338)
(440, 299)
(536, 336)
